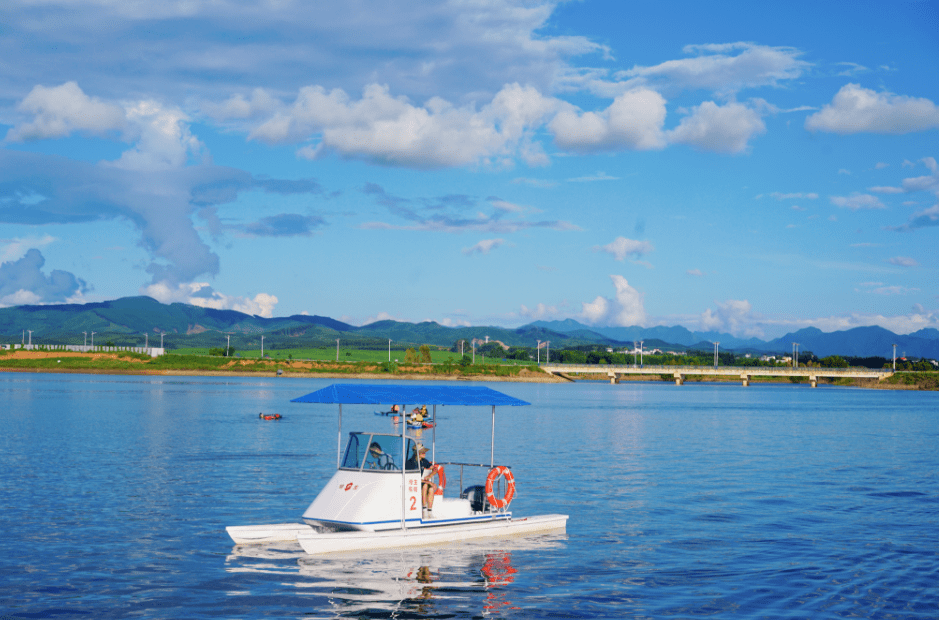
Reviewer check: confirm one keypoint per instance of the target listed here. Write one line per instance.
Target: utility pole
(547, 352)
(337, 349)
(389, 349)
(538, 348)
(146, 340)
(894, 358)
(228, 346)
(635, 347)
(640, 353)
(86, 339)
(93, 339)
(795, 357)
(716, 347)
(474, 351)
(161, 340)
(30, 337)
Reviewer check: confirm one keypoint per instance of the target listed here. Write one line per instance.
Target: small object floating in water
(269, 416)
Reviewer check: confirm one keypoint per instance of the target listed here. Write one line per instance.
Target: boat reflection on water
(472, 576)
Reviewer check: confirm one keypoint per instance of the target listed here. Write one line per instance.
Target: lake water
(701, 500)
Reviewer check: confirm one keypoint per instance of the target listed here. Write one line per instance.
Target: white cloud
(16, 248)
(903, 261)
(721, 129)
(201, 294)
(855, 109)
(62, 110)
(22, 281)
(899, 324)
(857, 201)
(723, 68)
(793, 195)
(540, 311)
(598, 176)
(621, 247)
(391, 130)
(633, 121)
(626, 309)
(734, 315)
(163, 138)
(695, 272)
(483, 247)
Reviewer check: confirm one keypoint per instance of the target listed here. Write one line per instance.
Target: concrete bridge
(743, 373)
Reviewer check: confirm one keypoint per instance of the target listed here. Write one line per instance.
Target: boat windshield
(368, 451)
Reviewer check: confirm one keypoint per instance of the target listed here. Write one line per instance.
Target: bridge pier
(745, 379)
(614, 378)
(813, 380)
(679, 378)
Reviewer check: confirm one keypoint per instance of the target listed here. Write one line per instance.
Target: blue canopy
(355, 393)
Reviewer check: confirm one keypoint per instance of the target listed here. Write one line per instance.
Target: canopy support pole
(404, 470)
(492, 444)
(339, 440)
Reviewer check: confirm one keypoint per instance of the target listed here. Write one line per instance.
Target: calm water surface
(699, 500)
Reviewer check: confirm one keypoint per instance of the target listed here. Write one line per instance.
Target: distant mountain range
(134, 320)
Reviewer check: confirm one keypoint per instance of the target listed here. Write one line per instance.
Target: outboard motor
(477, 498)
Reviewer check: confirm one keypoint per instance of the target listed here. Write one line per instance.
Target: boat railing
(464, 465)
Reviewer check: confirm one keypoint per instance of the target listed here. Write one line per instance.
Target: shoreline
(870, 384)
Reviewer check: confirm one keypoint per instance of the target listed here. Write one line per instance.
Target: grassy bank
(126, 362)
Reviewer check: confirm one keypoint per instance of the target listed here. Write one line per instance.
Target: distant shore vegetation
(460, 360)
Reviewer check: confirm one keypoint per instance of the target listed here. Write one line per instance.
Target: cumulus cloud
(22, 281)
(159, 203)
(721, 129)
(483, 247)
(855, 109)
(162, 138)
(625, 309)
(390, 130)
(633, 121)
(857, 201)
(734, 315)
(621, 247)
(201, 294)
(59, 111)
(695, 272)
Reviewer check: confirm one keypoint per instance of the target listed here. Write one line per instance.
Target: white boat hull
(314, 542)
(266, 534)
(335, 542)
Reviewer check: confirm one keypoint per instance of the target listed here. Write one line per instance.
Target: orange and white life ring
(494, 474)
(437, 469)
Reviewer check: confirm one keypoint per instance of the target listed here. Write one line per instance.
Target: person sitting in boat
(418, 414)
(395, 409)
(377, 459)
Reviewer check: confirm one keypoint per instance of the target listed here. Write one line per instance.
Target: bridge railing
(753, 370)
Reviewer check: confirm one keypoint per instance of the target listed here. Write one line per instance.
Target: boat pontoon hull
(315, 543)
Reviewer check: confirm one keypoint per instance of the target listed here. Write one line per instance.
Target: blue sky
(477, 162)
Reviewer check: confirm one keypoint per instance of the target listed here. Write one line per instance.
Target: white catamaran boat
(373, 501)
